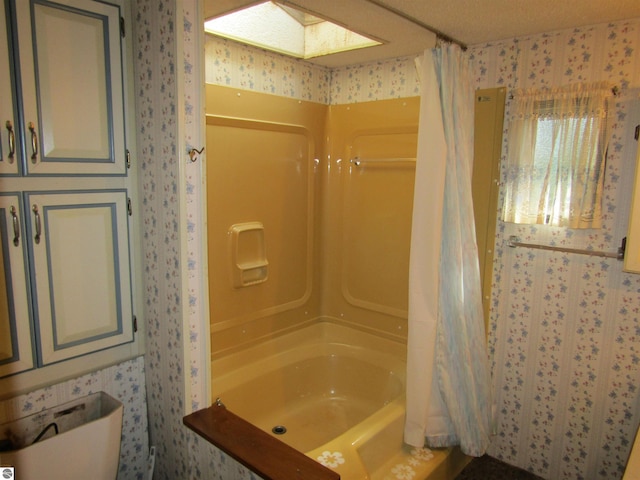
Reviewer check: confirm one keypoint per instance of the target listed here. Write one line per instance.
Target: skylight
(286, 30)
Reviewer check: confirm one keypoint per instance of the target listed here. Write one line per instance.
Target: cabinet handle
(34, 142)
(36, 214)
(12, 141)
(16, 226)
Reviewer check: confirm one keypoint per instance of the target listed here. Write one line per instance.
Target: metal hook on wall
(193, 154)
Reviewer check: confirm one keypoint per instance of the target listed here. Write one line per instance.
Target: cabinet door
(632, 252)
(72, 79)
(79, 246)
(8, 153)
(15, 320)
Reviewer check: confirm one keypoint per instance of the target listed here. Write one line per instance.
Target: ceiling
(406, 26)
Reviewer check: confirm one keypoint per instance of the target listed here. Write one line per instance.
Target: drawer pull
(16, 226)
(36, 214)
(12, 141)
(34, 142)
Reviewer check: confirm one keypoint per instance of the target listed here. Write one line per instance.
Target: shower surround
(565, 363)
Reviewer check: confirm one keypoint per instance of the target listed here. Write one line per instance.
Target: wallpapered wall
(234, 65)
(157, 104)
(565, 327)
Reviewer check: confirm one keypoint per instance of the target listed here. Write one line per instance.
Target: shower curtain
(448, 379)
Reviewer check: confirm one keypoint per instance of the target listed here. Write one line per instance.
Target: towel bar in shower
(357, 161)
(514, 241)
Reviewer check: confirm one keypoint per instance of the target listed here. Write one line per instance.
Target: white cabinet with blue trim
(9, 163)
(16, 352)
(79, 251)
(67, 236)
(77, 245)
(69, 62)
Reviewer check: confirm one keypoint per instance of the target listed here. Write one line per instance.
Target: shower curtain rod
(514, 241)
(439, 35)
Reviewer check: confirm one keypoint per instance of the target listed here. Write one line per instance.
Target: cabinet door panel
(632, 252)
(73, 88)
(8, 153)
(82, 276)
(15, 321)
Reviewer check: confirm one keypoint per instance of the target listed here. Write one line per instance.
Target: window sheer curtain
(448, 379)
(556, 156)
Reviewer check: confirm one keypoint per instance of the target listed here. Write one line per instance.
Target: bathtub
(336, 394)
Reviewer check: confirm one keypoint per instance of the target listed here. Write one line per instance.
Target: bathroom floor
(489, 468)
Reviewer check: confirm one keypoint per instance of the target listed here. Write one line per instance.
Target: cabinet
(66, 231)
(9, 164)
(632, 248)
(68, 56)
(16, 354)
(77, 248)
(79, 251)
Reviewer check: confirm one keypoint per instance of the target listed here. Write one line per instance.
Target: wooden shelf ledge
(255, 449)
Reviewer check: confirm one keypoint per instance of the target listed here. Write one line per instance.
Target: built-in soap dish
(249, 265)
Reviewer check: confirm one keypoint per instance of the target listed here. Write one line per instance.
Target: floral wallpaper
(394, 78)
(235, 65)
(565, 337)
(158, 102)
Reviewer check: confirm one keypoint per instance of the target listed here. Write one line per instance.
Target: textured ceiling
(477, 21)
(402, 24)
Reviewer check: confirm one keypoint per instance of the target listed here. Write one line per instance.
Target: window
(286, 29)
(557, 145)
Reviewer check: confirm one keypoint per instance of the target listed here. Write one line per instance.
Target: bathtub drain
(279, 429)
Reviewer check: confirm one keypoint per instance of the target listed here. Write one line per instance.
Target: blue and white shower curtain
(448, 377)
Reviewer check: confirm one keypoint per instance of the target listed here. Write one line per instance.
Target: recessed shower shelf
(249, 265)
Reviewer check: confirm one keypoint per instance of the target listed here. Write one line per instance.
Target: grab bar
(514, 241)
